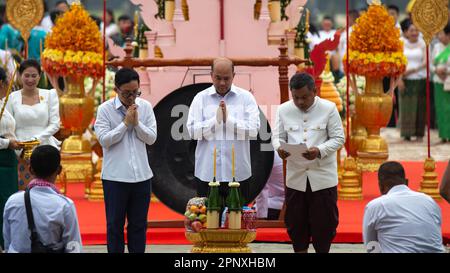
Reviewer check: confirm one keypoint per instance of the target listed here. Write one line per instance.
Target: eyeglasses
(130, 94)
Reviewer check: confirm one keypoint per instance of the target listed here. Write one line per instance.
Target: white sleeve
(71, 234)
(4, 143)
(369, 225)
(198, 128)
(107, 136)
(146, 129)
(247, 127)
(53, 117)
(278, 132)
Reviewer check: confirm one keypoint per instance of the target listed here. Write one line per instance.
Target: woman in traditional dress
(36, 112)
(413, 85)
(441, 69)
(8, 160)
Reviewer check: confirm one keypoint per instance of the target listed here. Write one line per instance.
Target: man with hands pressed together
(311, 188)
(219, 117)
(124, 126)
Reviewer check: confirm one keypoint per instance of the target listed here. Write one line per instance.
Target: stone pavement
(398, 150)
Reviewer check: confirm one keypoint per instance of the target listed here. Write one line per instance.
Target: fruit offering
(195, 215)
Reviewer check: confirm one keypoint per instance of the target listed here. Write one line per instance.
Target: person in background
(48, 22)
(270, 201)
(441, 69)
(394, 11)
(401, 220)
(444, 189)
(126, 30)
(327, 28)
(125, 125)
(54, 214)
(412, 87)
(110, 22)
(36, 112)
(8, 159)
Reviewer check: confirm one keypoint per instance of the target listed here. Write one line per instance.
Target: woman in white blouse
(8, 160)
(36, 112)
(413, 85)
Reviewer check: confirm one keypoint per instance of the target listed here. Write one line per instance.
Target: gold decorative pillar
(350, 187)
(430, 184)
(96, 187)
(374, 109)
(77, 111)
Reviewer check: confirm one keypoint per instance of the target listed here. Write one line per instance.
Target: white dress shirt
(320, 126)
(242, 124)
(55, 219)
(7, 128)
(124, 148)
(40, 121)
(403, 221)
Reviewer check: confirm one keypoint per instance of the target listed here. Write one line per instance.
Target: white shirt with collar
(320, 126)
(54, 216)
(403, 221)
(242, 124)
(124, 148)
(7, 127)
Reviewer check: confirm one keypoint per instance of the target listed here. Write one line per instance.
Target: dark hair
(111, 13)
(124, 18)
(3, 76)
(447, 29)
(391, 173)
(45, 161)
(405, 24)
(300, 80)
(394, 7)
(353, 13)
(54, 14)
(61, 2)
(29, 63)
(327, 17)
(125, 75)
(97, 20)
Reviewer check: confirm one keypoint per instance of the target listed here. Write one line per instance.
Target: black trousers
(311, 215)
(130, 201)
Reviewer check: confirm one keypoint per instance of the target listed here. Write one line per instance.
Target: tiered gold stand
(221, 240)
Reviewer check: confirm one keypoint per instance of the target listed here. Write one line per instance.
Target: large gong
(172, 159)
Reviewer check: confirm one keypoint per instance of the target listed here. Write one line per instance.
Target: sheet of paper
(296, 151)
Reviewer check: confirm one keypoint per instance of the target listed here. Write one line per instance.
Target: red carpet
(92, 219)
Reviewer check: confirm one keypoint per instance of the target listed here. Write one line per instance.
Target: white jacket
(320, 126)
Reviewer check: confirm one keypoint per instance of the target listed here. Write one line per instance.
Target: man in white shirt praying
(219, 117)
(124, 126)
(402, 220)
(311, 184)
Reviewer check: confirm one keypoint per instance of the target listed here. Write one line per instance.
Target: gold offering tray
(221, 240)
(28, 147)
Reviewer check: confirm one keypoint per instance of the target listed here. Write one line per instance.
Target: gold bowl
(221, 240)
(28, 147)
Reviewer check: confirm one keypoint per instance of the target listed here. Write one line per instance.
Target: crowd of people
(40, 219)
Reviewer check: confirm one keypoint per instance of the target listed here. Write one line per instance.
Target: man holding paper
(315, 126)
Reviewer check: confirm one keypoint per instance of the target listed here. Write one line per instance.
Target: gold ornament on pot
(375, 51)
(74, 51)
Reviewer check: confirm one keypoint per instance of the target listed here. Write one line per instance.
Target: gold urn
(77, 111)
(374, 109)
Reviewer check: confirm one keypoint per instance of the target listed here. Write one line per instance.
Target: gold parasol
(24, 15)
(430, 17)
